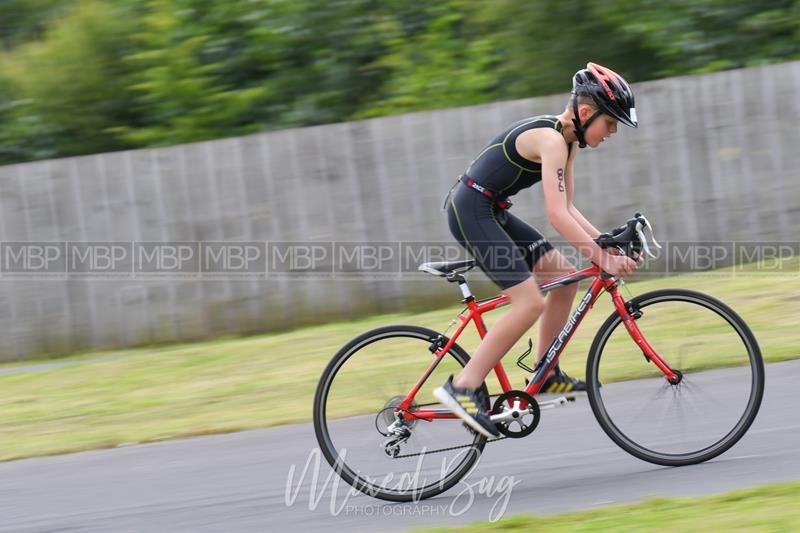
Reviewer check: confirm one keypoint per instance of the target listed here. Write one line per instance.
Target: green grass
(235, 384)
(769, 508)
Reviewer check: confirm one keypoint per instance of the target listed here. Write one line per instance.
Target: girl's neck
(568, 128)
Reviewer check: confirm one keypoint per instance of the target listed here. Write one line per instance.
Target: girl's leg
(527, 304)
(558, 302)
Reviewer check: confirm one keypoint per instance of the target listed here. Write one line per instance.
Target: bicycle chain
(440, 450)
(445, 449)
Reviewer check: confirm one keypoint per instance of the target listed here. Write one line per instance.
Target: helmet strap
(580, 129)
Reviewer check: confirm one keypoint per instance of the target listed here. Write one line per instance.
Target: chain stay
(440, 450)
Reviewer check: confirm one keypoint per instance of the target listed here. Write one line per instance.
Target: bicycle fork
(629, 316)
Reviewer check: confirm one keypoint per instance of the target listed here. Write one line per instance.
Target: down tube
(553, 352)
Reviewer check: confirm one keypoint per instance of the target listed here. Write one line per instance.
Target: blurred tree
(445, 62)
(314, 58)
(98, 75)
(24, 20)
(318, 59)
(180, 96)
(694, 36)
(545, 41)
(207, 69)
(23, 135)
(62, 95)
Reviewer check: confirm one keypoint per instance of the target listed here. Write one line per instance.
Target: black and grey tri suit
(505, 247)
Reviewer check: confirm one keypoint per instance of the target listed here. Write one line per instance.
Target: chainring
(525, 419)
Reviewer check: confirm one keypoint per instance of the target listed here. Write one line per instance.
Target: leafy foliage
(62, 94)
(101, 75)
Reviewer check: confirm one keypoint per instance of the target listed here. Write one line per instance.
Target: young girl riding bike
(509, 250)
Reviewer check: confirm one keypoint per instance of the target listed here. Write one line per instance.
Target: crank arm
(558, 402)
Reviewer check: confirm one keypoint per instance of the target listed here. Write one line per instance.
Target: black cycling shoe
(559, 381)
(466, 404)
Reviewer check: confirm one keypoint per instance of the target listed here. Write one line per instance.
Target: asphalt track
(238, 482)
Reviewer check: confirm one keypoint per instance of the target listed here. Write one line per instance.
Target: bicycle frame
(474, 313)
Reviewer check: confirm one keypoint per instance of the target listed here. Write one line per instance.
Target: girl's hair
(582, 99)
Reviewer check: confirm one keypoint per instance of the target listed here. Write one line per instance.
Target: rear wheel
(355, 405)
(713, 403)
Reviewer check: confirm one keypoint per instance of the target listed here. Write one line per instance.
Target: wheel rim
(370, 375)
(712, 405)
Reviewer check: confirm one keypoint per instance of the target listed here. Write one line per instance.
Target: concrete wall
(716, 158)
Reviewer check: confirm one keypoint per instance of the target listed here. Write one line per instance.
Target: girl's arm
(557, 194)
(585, 224)
(550, 147)
(569, 186)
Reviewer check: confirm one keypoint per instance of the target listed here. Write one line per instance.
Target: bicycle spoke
(646, 406)
(689, 384)
(719, 369)
(363, 386)
(676, 402)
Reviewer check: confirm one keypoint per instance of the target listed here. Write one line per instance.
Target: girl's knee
(528, 301)
(533, 307)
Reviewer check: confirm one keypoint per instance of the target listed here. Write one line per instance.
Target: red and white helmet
(609, 91)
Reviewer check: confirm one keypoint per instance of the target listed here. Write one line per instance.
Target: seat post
(457, 277)
(468, 297)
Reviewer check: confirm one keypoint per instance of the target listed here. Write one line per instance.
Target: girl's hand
(618, 266)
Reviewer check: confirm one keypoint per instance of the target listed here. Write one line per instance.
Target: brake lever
(649, 226)
(643, 240)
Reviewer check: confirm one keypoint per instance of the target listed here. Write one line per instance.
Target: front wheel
(713, 404)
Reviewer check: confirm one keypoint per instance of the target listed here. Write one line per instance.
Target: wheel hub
(678, 378)
(388, 413)
(397, 429)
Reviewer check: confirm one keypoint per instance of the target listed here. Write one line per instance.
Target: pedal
(558, 402)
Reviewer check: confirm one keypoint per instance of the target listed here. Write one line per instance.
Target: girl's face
(601, 129)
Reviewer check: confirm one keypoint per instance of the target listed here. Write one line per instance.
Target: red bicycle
(684, 391)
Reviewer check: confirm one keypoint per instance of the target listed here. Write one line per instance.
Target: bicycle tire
(327, 446)
(595, 391)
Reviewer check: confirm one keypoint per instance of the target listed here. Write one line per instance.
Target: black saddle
(447, 268)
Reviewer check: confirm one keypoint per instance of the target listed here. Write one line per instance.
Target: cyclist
(508, 250)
